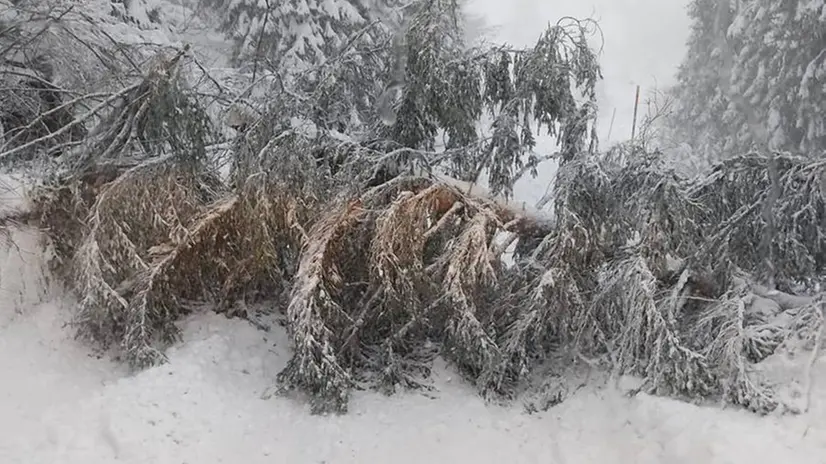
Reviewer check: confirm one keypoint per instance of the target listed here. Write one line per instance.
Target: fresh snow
(59, 404)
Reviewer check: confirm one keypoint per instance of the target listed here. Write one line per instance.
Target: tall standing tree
(701, 103)
(753, 78)
(780, 68)
(291, 33)
(333, 50)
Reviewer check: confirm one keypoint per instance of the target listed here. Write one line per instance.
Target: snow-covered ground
(62, 404)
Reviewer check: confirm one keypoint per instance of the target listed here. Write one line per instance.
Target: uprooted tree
(381, 256)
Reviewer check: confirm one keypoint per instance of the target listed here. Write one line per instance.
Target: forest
(349, 174)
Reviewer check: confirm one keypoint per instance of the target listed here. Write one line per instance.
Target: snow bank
(59, 405)
(22, 278)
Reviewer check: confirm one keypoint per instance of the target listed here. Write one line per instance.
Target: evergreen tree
(293, 32)
(780, 68)
(332, 50)
(752, 78)
(700, 100)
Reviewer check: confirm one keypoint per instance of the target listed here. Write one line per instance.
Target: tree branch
(72, 124)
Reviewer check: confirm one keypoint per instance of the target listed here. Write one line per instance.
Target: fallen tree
(673, 267)
(634, 273)
(382, 254)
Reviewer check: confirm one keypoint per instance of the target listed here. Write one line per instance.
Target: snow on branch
(674, 273)
(383, 252)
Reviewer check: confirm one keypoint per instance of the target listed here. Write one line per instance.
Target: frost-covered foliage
(752, 78)
(379, 254)
(646, 273)
(668, 266)
(333, 53)
(449, 85)
(138, 179)
(388, 281)
(121, 168)
(296, 33)
(33, 102)
(417, 80)
(60, 80)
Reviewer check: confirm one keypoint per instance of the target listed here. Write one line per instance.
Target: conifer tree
(752, 78)
(332, 50)
(293, 32)
(701, 103)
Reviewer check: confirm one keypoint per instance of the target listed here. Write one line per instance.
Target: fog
(644, 42)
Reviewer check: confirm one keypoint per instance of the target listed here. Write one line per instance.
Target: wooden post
(634, 123)
(611, 127)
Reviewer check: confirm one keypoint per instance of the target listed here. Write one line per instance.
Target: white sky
(644, 44)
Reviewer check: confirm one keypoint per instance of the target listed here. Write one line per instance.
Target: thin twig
(72, 124)
(42, 116)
